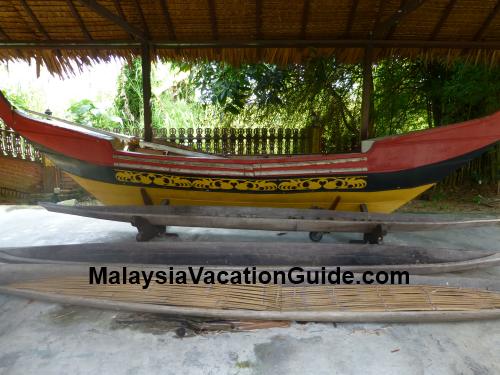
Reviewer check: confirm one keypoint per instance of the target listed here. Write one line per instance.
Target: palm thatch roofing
(60, 33)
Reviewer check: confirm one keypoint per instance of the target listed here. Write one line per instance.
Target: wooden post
(146, 92)
(366, 100)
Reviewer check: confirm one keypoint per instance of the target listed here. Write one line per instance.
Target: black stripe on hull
(410, 178)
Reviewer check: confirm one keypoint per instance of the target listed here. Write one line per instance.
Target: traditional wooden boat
(424, 299)
(151, 220)
(387, 173)
(270, 256)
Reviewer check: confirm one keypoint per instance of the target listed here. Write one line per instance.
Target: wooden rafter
(258, 19)
(35, 19)
(168, 19)
(213, 19)
(444, 16)
(3, 34)
(106, 13)
(380, 10)
(392, 29)
(79, 19)
(143, 19)
(484, 27)
(386, 28)
(305, 19)
(350, 20)
(119, 10)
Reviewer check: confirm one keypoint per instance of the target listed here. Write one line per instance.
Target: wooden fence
(15, 146)
(243, 141)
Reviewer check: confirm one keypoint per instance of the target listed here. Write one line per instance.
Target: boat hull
(377, 201)
(388, 173)
(380, 192)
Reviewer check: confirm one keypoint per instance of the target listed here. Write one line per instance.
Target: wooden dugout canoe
(388, 173)
(264, 256)
(425, 299)
(278, 219)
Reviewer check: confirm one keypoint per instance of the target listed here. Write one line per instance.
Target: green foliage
(173, 103)
(23, 99)
(399, 97)
(128, 101)
(471, 91)
(86, 113)
(322, 92)
(411, 95)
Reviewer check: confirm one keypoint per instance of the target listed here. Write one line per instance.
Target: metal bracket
(147, 231)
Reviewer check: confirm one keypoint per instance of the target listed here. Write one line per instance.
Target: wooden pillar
(146, 92)
(367, 100)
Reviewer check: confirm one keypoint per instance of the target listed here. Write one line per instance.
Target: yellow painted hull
(378, 201)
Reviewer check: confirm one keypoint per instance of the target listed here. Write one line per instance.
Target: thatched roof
(279, 31)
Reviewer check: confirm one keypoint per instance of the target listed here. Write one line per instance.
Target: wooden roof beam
(106, 13)
(258, 19)
(79, 19)
(3, 34)
(120, 12)
(168, 19)
(305, 19)
(386, 28)
(143, 19)
(484, 27)
(444, 16)
(350, 20)
(380, 10)
(297, 43)
(35, 20)
(213, 19)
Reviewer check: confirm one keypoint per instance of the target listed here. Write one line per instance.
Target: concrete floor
(46, 338)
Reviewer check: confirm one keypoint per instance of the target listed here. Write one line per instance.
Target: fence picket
(241, 141)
